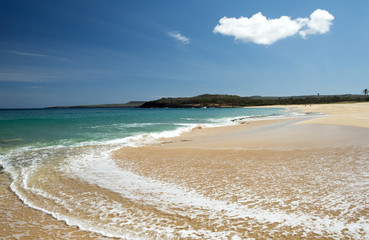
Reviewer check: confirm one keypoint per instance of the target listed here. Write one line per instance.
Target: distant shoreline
(230, 101)
(234, 101)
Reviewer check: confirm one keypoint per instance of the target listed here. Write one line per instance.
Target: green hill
(216, 100)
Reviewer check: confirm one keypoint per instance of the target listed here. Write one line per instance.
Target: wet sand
(313, 169)
(18, 221)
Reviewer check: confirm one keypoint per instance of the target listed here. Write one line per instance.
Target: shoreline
(300, 168)
(273, 178)
(345, 114)
(352, 115)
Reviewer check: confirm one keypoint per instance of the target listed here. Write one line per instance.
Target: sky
(71, 52)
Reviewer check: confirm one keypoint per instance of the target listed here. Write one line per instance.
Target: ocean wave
(127, 125)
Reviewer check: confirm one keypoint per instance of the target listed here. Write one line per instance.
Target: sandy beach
(349, 114)
(296, 178)
(300, 178)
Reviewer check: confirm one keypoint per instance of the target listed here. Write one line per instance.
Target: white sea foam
(100, 170)
(96, 167)
(123, 126)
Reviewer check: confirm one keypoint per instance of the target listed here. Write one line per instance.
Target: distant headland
(229, 101)
(131, 104)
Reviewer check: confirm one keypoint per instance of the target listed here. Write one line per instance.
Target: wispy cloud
(34, 87)
(260, 30)
(29, 76)
(30, 54)
(178, 36)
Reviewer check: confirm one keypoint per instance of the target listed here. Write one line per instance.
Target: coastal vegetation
(365, 91)
(229, 101)
(215, 100)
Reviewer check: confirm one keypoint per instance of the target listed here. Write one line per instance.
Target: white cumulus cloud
(260, 30)
(178, 36)
(319, 23)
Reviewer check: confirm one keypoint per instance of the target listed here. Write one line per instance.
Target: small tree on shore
(365, 91)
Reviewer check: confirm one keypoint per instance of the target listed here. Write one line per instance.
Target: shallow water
(59, 162)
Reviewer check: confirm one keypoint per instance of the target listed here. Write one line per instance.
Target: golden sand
(349, 114)
(308, 166)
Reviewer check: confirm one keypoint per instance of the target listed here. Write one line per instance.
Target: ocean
(43, 128)
(59, 162)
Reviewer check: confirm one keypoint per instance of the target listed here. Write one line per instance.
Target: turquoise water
(50, 127)
(60, 162)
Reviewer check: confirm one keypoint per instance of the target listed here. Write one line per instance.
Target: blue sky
(112, 51)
